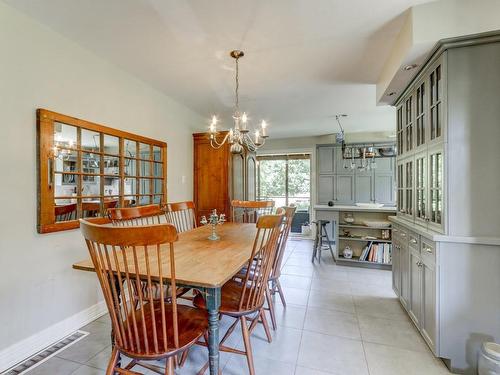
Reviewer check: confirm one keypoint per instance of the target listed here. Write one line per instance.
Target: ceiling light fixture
(340, 137)
(410, 67)
(392, 93)
(238, 136)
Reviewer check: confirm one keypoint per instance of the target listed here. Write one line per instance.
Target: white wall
(39, 68)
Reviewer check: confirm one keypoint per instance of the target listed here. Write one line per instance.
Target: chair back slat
(128, 262)
(289, 213)
(250, 211)
(182, 215)
(134, 216)
(261, 261)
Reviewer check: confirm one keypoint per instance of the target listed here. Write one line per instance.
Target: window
(286, 179)
(86, 168)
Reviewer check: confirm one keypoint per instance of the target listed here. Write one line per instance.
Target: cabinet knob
(428, 249)
(427, 219)
(403, 234)
(413, 240)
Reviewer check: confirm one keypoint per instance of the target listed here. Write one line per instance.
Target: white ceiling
(306, 60)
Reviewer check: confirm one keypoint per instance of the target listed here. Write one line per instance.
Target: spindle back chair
(66, 212)
(123, 258)
(250, 211)
(182, 215)
(274, 279)
(244, 298)
(139, 215)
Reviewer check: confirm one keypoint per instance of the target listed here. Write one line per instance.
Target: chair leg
(266, 326)
(329, 244)
(270, 303)
(280, 291)
(115, 355)
(248, 347)
(170, 368)
(184, 357)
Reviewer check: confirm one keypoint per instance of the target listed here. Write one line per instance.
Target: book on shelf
(377, 253)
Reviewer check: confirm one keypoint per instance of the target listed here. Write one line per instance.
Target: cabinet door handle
(420, 264)
(427, 219)
(403, 234)
(428, 249)
(413, 240)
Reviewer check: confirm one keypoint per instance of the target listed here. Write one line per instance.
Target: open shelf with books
(368, 234)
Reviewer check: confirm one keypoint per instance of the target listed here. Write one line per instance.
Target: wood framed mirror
(85, 168)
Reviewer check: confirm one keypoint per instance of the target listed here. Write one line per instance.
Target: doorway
(286, 179)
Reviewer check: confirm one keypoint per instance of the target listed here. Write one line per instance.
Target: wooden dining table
(207, 265)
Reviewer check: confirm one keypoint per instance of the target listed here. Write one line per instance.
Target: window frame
(46, 218)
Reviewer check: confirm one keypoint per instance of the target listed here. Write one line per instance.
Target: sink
(370, 205)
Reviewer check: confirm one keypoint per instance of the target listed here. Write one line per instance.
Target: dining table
(206, 265)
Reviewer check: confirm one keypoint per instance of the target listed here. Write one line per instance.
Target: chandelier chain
(237, 86)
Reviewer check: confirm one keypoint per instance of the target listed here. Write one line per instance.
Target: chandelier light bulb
(264, 128)
(244, 118)
(257, 135)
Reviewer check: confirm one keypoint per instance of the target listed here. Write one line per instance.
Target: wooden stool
(321, 233)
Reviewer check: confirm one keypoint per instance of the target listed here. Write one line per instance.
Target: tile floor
(339, 320)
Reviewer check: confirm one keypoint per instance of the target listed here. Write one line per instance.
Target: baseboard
(43, 339)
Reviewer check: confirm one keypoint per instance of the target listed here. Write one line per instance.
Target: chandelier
(239, 135)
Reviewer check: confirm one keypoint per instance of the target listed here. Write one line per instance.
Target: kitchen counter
(324, 207)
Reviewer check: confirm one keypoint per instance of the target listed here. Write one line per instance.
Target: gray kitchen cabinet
(326, 160)
(428, 318)
(364, 187)
(415, 277)
(347, 186)
(326, 186)
(384, 188)
(447, 184)
(396, 269)
(344, 189)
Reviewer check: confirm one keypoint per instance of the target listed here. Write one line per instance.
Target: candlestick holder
(213, 220)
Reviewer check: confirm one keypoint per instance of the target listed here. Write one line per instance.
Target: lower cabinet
(414, 281)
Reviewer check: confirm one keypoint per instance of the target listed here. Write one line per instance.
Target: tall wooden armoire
(220, 176)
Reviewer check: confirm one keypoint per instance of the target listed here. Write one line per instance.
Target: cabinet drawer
(413, 241)
(427, 250)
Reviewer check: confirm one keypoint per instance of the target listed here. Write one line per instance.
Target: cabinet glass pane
(145, 168)
(156, 153)
(435, 102)
(130, 167)
(409, 124)
(400, 184)
(130, 186)
(65, 209)
(400, 130)
(420, 114)
(420, 188)
(409, 188)
(111, 165)
(436, 199)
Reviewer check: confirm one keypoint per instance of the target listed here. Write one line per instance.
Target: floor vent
(44, 355)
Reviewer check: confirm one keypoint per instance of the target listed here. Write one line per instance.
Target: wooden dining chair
(151, 329)
(139, 215)
(274, 279)
(182, 215)
(244, 299)
(250, 211)
(66, 212)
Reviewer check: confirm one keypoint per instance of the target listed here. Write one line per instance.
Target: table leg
(213, 304)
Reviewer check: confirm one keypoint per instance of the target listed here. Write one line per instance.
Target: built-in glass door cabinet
(435, 217)
(408, 124)
(409, 188)
(421, 206)
(399, 130)
(420, 116)
(436, 105)
(415, 280)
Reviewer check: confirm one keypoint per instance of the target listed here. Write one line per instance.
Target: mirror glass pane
(130, 148)
(91, 185)
(156, 153)
(65, 135)
(157, 187)
(157, 199)
(90, 141)
(145, 168)
(90, 163)
(143, 200)
(65, 185)
(111, 145)
(111, 165)
(129, 201)
(65, 209)
(111, 202)
(66, 161)
(130, 186)
(130, 167)
(144, 184)
(144, 151)
(111, 186)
